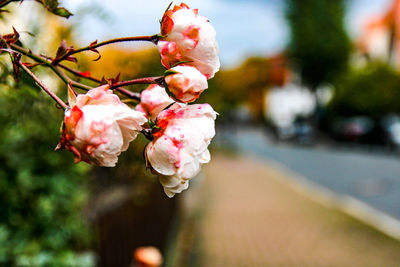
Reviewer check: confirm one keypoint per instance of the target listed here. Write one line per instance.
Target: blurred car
(303, 132)
(354, 129)
(391, 127)
(300, 132)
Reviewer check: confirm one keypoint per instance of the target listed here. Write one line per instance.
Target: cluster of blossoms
(98, 126)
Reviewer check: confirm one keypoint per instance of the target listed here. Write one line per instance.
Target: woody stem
(148, 80)
(41, 85)
(47, 62)
(39, 59)
(152, 38)
(131, 95)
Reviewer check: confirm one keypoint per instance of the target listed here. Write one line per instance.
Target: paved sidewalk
(251, 216)
(367, 176)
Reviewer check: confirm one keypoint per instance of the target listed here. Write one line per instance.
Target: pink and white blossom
(99, 127)
(186, 84)
(188, 37)
(180, 144)
(153, 100)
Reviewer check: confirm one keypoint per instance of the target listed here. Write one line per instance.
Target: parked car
(353, 129)
(301, 132)
(391, 127)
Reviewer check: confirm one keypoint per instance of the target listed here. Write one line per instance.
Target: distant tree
(373, 91)
(243, 84)
(319, 45)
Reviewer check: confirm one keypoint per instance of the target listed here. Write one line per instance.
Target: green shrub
(42, 192)
(373, 91)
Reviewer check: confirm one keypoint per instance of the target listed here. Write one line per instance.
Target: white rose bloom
(180, 144)
(99, 127)
(188, 37)
(186, 84)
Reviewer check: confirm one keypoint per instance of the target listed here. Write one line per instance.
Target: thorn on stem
(155, 38)
(148, 134)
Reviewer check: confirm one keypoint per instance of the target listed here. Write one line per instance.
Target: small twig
(72, 82)
(41, 85)
(93, 46)
(148, 80)
(81, 85)
(79, 74)
(132, 95)
(40, 59)
(47, 62)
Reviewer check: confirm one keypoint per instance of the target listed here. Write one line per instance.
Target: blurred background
(305, 166)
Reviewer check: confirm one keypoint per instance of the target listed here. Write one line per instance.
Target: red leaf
(15, 59)
(63, 50)
(93, 43)
(31, 65)
(71, 58)
(95, 50)
(117, 77)
(11, 38)
(85, 73)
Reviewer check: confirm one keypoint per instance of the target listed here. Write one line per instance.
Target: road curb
(345, 203)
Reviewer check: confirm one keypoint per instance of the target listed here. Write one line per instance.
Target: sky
(244, 27)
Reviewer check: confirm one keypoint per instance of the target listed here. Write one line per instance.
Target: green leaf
(181, 62)
(52, 6)
(170, 94)
(63, 12)
(170, 72)
(150, 122)
(71, 96)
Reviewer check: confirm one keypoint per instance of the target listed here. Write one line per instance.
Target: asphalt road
(372, 177)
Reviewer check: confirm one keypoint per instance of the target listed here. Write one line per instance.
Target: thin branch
(81, 85)
(72, 82)
(41, 85)
(148, 80)
(132, 95)
(79, 74)
(40, 59)
(47, 62)
(93, 46)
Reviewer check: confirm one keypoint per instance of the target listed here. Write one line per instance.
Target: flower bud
(180, 144)
(99, 127)
(153, 100)
(190, 38)
(186, 84)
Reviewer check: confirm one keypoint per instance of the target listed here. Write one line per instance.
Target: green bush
(373, 91)
(42, 192)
